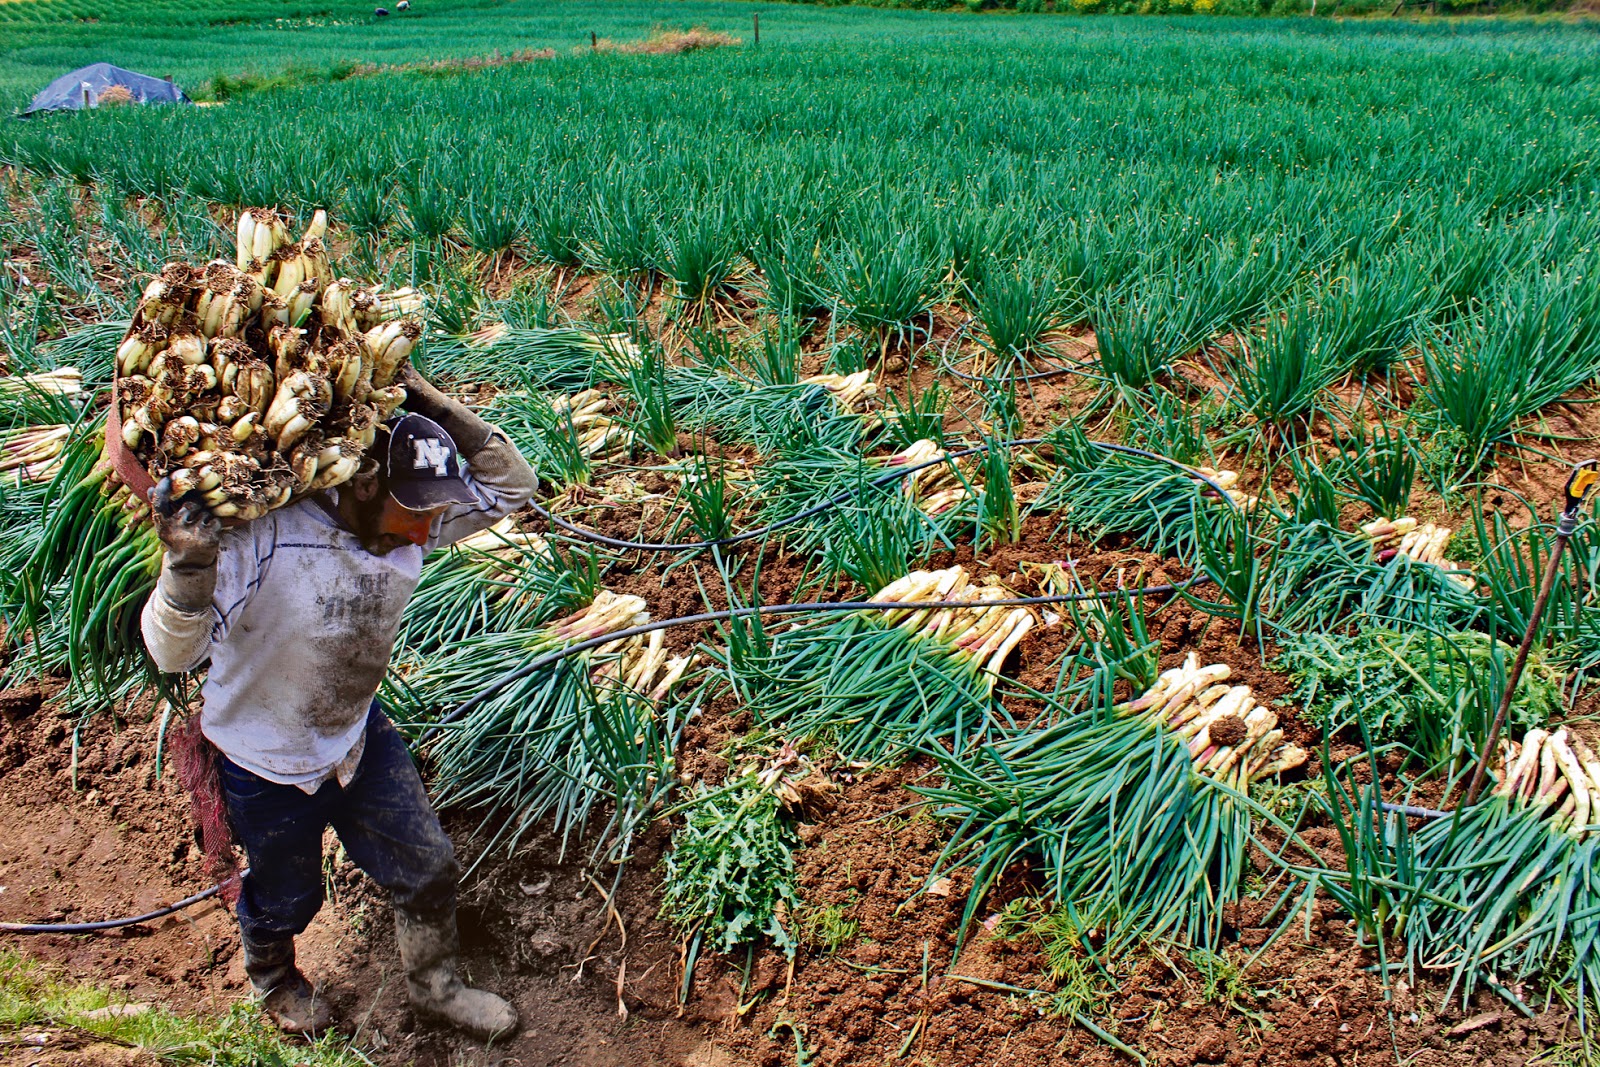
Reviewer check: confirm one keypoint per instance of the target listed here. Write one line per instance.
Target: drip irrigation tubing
(113, 924)
(467, 706)
(833, 502)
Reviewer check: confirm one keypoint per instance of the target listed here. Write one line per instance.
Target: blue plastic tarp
(83, 89)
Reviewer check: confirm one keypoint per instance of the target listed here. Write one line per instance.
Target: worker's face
(381, 523)
(395, 526)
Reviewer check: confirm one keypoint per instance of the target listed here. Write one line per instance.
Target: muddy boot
(428, 948)
(285, 995)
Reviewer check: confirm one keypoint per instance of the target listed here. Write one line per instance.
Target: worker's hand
(422, 396)
(191, 534)
(467, 430)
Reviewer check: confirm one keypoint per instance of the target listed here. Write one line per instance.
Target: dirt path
(537, 930)
(121, 844)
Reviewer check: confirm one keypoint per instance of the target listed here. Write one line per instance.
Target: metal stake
(1579, 485)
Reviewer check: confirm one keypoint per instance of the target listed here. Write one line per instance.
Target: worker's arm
(497, 472)
(207, 577)
(178, 617)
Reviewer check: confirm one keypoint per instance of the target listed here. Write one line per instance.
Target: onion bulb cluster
(1556, 773)
(1230, 737)
(934, 489)
(1424, 543)
(255, 382)
(980, 635)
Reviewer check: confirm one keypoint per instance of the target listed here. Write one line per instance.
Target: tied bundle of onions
(565, 736)
(66, 381)
(255, 382)
(873, 684)
(1228, 735)
(1554, 773)
(935, 489)
(1514, 893)
(978, 635)
(1227, 480)
(1424, 543)
(851, 392)
(599, 436)
(1133, 813)
(640, 667)
(497, 579)
(33, 452)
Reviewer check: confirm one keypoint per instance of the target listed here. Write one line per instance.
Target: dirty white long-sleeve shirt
(303, 622)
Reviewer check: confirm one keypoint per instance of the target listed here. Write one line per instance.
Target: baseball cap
(424, 467)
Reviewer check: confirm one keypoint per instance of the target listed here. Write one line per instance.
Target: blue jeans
(383, 818)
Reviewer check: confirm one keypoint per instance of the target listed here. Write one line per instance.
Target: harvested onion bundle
(1133, 819)
(850, 391)
(1553, 772)
(549, 744)
(1424, 543)
(1520, 898)
(599, 435)
(641, 667)
(33, 452)
(872, 684)
(67, 381)
(935, 489)
(256, 382)
(980, 635)
(1230, 737)
(1227, 480)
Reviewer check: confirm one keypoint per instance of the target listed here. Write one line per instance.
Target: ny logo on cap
(431, 452)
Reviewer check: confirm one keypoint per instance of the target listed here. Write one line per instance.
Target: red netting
(200, 772)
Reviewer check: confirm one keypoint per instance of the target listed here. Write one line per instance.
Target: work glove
(467, 430)
(192, 537)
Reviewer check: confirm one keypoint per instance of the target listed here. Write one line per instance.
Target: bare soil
(541, 932)
(595, 974)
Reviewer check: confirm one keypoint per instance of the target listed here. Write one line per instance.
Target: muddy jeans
(383, 818)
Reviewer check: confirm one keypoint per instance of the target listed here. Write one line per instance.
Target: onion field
(1125, 456)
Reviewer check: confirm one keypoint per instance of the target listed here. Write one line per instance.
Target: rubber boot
(283, 991)
(429, 948)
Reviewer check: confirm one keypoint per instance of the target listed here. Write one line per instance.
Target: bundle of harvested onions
(935, 489)
(1227, 480)
(979, 635)
(497, 579)
(873, 684)
(1556, 774)
(640, 668)
(1515, 895)
(851, 392)
(256, 382)
(1133, 817)
(1424, 543)
(33, 452)
(1229, 736)
(564, 737)
(599, 435)
(66, 381)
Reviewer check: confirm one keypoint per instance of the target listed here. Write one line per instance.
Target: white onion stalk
(65, 381)
(1229, 737)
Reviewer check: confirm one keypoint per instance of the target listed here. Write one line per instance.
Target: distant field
(40, 39)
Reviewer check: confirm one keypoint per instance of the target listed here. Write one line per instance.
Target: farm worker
(297, 612)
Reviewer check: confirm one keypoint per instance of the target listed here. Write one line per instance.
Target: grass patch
(34, 1003)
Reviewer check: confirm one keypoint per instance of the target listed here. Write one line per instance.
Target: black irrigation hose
(113, 924)
(517, 674)
(472, 702)
(711, 616)
(833, 502)
(1032, 376)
